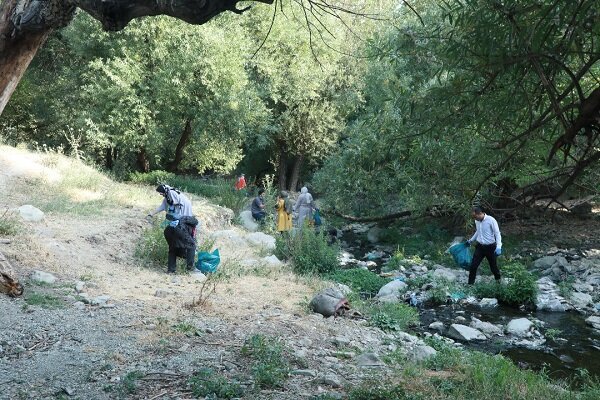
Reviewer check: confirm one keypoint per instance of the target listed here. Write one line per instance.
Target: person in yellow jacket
(284, 212)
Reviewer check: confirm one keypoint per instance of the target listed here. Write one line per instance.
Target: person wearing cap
(180, 231)
(241, 182)
(488, 243)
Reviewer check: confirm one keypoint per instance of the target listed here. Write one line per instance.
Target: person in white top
(488, 243)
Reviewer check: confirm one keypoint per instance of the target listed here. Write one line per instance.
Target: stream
(574, 346)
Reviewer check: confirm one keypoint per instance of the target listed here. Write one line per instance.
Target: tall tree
(26, 24)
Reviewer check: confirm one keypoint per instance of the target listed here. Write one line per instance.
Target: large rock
(581, 300)
(594, 321)
(465, 333)
(549, 262)
(261, 240)
(43, 277)
(444, 273)
(392, 288)
(488, 303)
(485, 327)
(369, 360)
(551, 302)
(30, 213)
(329, 302)
(247, 221)
(272, 261)
(229, 235)
(520, 327)
(421, 353)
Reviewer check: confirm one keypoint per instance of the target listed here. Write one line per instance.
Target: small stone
(198, 276)
(485, 327)
(394, 288)
(272, 261)
(162, 293)
(80, 305)
(99, 300)
(210, 331)
(341, 341)
(488, 303)
(519, 327)
(332, 380)
(369, 360)
(465, 333)
(30, 213)
(43, 277)
(79, 286)
(437, 326)
(304, 372)
(460, 319)
(422, 353)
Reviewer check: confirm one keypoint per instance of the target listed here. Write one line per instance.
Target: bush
(372, 392)
(393, 317)
(152, 177)
(9, 223)
(359, 280)
(153, 248)
(520, 289)
(270, 367)
(308, 252)
(205, 383)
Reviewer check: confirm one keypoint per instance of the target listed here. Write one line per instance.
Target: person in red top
(240, 183)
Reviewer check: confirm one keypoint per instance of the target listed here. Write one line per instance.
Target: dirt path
(140, 345)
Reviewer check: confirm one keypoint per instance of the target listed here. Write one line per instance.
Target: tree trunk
(142, 160)
(282, 168)
(16, 51)
(183, 141)
(296, 173)
(108, 158)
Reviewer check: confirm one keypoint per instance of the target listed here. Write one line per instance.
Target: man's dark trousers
(484, 251)
(188, 254)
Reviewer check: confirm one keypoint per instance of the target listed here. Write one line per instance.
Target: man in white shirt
(488, 243)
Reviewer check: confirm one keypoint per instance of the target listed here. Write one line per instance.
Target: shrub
(207, 384)
(373, 392)
(308, 252)
(520, 289)
(359, 280)
(9, 223)
(152, 247)
(270, 367)
(152, 177)
(43, 300)
(393, 317)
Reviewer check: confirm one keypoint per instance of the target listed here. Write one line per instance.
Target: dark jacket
(183, 235)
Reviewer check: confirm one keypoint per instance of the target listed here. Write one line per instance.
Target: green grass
(206, 383)
(130, 384)
(10, 223)
(359, 280)
(308, 252)
(520, 286)
(43, 300)
(392, 316)
(269, 367)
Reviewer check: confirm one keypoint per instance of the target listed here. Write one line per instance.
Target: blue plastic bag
(461, 254)
(208, 262)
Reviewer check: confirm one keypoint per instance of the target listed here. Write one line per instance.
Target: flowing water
(576, 345)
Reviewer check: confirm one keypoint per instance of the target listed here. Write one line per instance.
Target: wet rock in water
(566, 359)
(593, 321)
(437, 326)
(369, 360)
(30, 213)
(460, 319)
(444, 273)
(488, 303)
(272, 261)
(520, 327)
(581, 300)
(485, 327)
(329, 302)
(43, 277)
(374, 234)
(464, 333)
(261, 240)
(393, 288)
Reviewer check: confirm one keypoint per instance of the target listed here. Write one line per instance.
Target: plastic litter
(461, 254)
(208, 262)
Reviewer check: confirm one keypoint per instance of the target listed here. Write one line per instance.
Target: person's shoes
(171, 272)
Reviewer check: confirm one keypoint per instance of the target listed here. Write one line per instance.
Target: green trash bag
(208, 262)
(461, 254)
